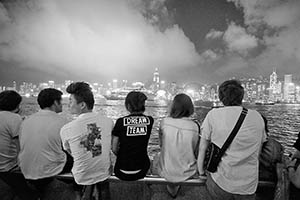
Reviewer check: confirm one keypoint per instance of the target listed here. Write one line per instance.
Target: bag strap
(198, 124)
(234, 131)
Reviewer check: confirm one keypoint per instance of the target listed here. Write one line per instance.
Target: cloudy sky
(188, 40)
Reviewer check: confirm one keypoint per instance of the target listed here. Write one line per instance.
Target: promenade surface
(129, 191)
(119, 191)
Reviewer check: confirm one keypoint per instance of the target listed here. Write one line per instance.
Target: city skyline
(201, 40)
(155, 78)
(260, 90)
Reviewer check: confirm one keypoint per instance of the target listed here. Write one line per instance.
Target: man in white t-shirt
(42, 156)
(237, 173)
(88, 139)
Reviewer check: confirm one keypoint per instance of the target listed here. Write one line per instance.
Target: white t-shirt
(9, 131)
(41, 153)
(238, 170)
(180, 145)
(88, 139)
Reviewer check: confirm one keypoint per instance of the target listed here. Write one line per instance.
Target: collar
(47, 111)
(82, 115)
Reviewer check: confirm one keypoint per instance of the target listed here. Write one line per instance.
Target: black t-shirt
(134, 132)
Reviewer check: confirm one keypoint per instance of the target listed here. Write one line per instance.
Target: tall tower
(15, 85)
(51, 84)
(156, 79)
(156, 76)
(273, 81)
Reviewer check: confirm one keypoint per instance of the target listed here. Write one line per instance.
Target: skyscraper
(289, 88)
(51, 84)
(115, 84)
(156, 76)
(273, 80)
(14, 85)
(273, 90)
(156, 79)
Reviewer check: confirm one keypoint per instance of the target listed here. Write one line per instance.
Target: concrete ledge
(149, 188)
(153, 179)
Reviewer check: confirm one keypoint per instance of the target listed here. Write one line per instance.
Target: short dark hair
(82, 93)
(135, 101)
(182, 106)
(48, 96)
(231, 93)
(9, 100)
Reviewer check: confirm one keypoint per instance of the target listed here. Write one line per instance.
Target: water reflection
(283, 119)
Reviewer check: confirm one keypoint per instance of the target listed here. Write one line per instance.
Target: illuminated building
(289, 89)
(273, 81)
(297, 95)
(124, 83)
(275, 87)
(156, 79)
(14, 85)
(115, 84)
(51, 84)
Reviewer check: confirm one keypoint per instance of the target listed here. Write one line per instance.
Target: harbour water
(283, 119)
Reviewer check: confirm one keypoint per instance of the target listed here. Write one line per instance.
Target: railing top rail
(152, 179)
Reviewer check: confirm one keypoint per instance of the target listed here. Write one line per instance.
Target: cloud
(238, 40)
(234, 65)
(283, 15)
(210, 55)
(272, 12)
(93, 39)
(280, 22)
(213, 34)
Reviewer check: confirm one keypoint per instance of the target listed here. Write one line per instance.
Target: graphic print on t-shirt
(92, 141)
(136, 125)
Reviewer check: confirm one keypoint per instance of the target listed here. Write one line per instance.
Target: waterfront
(283, 119)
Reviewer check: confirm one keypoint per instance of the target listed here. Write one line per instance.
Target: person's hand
(296, 154)
(202, 175)
(291, 163)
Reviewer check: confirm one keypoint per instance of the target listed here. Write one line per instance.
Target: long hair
(182, 106)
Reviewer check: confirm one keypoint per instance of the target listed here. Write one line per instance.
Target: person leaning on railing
(179, 142)
(293, 165)
(130, 137)
(293, 169)
(10, 125)
(88, 140)
(237, 173)
(41, 155)
(294, 172)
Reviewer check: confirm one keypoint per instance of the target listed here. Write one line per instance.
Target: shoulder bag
(214, 154)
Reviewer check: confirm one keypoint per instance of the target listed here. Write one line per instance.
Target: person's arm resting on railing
(201, 155)
(115, 144)
(294, 175)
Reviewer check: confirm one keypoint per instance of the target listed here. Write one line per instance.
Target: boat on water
(208, 104)
(264, 103)
(120, 94)
(217, 104)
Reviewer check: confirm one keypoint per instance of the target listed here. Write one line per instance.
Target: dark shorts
(132, 177)
(19, 185)
(218, 193)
